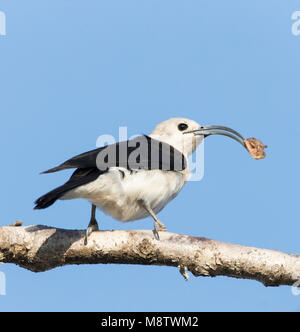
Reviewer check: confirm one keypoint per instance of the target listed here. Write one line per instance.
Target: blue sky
(73, 70)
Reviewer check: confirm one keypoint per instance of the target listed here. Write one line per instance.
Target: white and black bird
(135, 179)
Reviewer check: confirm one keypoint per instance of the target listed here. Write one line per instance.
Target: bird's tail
(50, 198)
(79, 177)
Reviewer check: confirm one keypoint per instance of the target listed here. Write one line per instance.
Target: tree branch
(40, 248)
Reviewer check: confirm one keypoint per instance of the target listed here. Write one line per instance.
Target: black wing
(142, 152)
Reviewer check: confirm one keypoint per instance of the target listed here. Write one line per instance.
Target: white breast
(118, 191)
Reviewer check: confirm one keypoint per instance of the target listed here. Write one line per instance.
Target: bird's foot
(158, 227)
(92, 227)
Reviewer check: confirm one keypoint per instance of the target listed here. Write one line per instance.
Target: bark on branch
(40, 248)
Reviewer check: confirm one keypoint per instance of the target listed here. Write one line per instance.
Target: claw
(156, 235)
(92, 227)
(158, 227)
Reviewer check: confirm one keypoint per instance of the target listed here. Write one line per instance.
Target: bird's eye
(182, 126)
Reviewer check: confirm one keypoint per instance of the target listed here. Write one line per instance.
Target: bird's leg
(93, 225)
(158, 225)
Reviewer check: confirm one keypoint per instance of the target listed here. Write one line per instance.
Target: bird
(134, 179)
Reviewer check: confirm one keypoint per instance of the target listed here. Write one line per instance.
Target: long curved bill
(220, 130)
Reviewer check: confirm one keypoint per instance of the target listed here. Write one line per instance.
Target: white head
(176, 132)
(185, 134)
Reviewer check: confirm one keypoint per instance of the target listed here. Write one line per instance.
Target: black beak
(219, 130)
